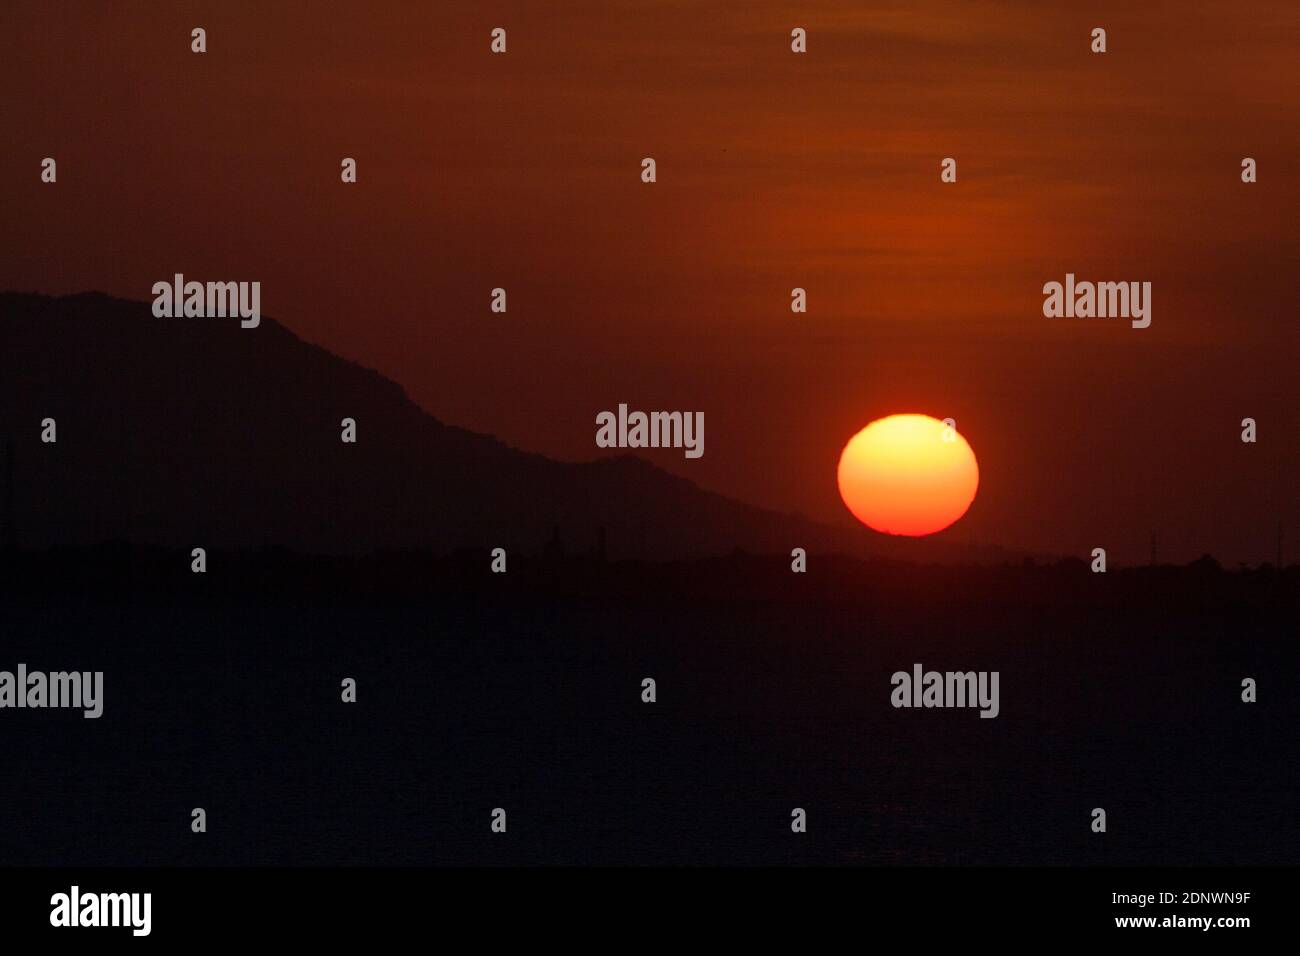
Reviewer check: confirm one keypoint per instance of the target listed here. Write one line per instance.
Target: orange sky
(775, 170)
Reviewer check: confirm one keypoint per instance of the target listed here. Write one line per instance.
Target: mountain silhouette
(776, 690)
(193, 432)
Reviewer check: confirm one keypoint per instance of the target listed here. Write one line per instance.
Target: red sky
(775, 170)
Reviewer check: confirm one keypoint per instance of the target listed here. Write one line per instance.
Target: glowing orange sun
(908, 474)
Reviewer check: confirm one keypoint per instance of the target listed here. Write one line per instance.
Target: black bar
(795, 906)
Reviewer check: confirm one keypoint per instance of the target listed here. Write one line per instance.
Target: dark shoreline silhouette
(522, 690)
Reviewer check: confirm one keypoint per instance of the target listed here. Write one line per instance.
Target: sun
(908, 474)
